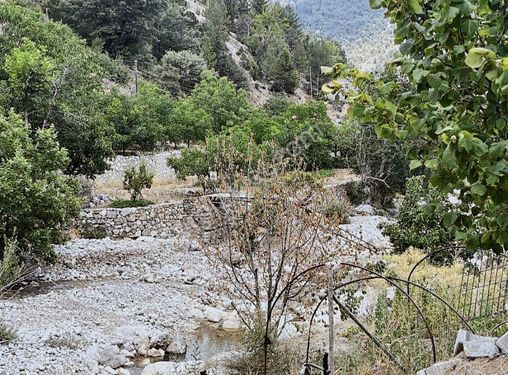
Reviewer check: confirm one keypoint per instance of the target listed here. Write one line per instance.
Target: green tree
(51, 77)
(454, 57)
(306, 131)
(216, 35)
(139, 119)
(176, 30)
(193, 162)
(28, 78)
(188, 123)
(126, 28)
(285, 76)
(36, 199)
(179, 72)
(221, 100)
(135, 180)
(420, 219)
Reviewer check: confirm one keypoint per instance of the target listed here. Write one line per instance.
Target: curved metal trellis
(394, 281)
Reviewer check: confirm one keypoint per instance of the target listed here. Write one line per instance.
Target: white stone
(160, 368)
(462, 337)
(479, 348)
(196, 313)
(123, 371)
(231, 325)
(365, 209)
(214, 315)
(156, 353)
(111, 356)
(442, 368)
(502, 343)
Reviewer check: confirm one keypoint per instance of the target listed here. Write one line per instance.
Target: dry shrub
(277, 220)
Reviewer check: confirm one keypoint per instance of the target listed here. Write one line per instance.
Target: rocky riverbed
(113, 306)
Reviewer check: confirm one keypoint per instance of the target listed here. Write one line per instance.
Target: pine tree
(259, 6)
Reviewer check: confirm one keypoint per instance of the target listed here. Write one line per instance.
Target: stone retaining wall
(167, 220)
(156, 162)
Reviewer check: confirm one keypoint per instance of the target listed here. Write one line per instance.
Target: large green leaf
(477, 56)
(416, 6)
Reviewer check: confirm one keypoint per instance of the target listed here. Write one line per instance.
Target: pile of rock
(471, 347)
(99, 200)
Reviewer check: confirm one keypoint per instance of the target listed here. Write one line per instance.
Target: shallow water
(207, 342)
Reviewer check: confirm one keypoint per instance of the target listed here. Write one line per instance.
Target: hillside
(364, 33)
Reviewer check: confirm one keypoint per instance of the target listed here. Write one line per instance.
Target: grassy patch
(7, 333)
(127, 203)
(324, 173)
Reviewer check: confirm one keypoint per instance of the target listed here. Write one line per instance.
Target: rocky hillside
(365, 34)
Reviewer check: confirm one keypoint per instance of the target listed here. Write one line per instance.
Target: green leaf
(326, 70)
(449, 219)
(476, 57)
(414, 164)
(376, 4)
(492, 74)
(434, 81)
(431, 163)
(478, 189)
(415, 6)
(418, 74)
(449, 158)
(452, 12)
(502, 220)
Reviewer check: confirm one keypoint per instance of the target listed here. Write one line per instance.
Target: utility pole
(331, 335)
(311, 89)
(136, 74)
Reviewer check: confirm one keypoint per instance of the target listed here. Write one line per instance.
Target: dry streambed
(111, 307)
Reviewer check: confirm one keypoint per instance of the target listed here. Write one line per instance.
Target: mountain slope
(366, 35)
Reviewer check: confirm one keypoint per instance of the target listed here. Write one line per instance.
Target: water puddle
(207, 342)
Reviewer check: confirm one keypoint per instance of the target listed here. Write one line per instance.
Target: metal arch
(439, 298)
(497, 326)
(427, 257)
(422, 315)
(319, 305)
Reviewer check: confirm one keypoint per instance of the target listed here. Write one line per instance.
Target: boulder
(231, 325)
(502, 343)
(111, 357)
(481, 347)
(462, 337)
(442, 368)
(160, 368)
(365, 209)
(214, 315)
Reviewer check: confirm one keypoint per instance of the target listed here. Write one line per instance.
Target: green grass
(324, 173)
(126, 203)
(7, 334)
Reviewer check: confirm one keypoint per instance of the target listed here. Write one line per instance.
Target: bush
(420, 218)
(95, 233)
(356, 192)
(126, 203)
(282, 359)
(11, 267)
(7, 333)
(193, 162)
(36, 200)
(339, 210)
(134, 181)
